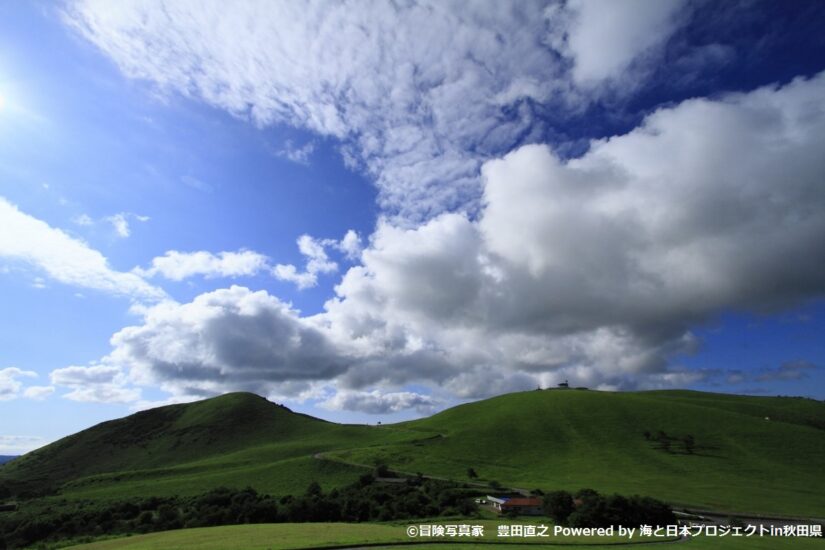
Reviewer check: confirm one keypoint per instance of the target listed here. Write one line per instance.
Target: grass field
(571, 439)
(233, 440)
(752, 454)
(297, 536)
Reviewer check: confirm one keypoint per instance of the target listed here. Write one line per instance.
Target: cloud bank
(590, 269)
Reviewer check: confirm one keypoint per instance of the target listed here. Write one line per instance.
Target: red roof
(522, 502)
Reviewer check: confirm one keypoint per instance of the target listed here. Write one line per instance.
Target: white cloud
(420, 93)
(96, 383)
(226, 339)
(177, 266)
(80, 376)
(594, 269)
(120, 222)
(603, 37)
(20, 444)
(83, 220)
(10, 384)
(65, 259)
(317, 262)
(376, 402)
(290, 273)
(296, 154)
(591, 269)
(104, 393)
(350, 245)
(38, 392)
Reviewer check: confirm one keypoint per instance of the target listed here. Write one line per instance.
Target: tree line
(40, 521)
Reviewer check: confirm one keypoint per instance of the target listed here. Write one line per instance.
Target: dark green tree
(558, 505)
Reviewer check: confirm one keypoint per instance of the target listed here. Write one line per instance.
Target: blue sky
(372, 212)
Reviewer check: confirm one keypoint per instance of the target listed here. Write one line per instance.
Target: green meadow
(747, 454)
(751, 454)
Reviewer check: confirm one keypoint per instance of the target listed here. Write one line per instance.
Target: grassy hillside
(236, 439)
(751, 454)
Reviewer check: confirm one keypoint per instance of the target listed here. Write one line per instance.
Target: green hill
(236, 439)
(748, 454)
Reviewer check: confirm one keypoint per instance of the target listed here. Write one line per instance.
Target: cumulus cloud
(177, 266)
(65, 259)
(227, 339)
(594, 269)
(317, 261)
(290, 273)
(376, 402)
(350, 245)
(590, 269)
(38, 392)
(96, 383)
(10, 383)
(420, 93)
(603, 38)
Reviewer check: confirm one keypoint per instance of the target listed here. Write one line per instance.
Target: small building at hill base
(524, 506)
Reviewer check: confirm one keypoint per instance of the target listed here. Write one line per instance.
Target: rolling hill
(748, 454)
(236, 439)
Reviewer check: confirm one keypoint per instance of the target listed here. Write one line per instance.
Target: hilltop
(183, 447)
(746, 454)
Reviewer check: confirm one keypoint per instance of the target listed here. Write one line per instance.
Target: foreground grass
(284, 536)
(320, 535)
